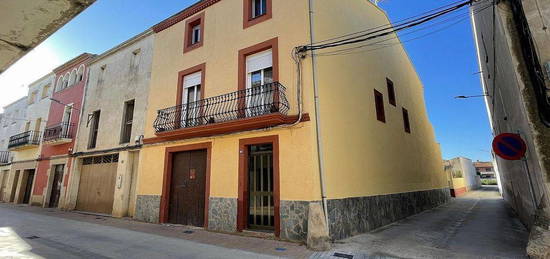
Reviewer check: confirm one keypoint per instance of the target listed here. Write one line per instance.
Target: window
(191, 94)
(379, 105)
(66, 80)
(37, 124)
(194, 33)
(259, 68)
(72, 77)
(45, 91)
(59, 85)
(259, 8)
(32, 98)
(94, 129)
(256, 11)
(127, 121)
(406, 122)
(80, 73)
(391, 92)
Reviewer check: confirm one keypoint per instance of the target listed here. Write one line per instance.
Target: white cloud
(37, 63)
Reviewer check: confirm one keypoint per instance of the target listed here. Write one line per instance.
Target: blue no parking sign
(509, 146)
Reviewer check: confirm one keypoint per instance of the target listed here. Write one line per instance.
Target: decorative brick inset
(222, 214)
(148, 208)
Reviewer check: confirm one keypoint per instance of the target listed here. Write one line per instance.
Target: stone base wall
(352, 216)
(222, 214)
(294, 216)
(147, 208)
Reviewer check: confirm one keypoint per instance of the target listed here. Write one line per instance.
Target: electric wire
(454, 20)
(385, 31)
(389, 24)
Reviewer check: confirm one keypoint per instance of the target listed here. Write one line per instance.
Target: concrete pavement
(477, 225)
(37, 232)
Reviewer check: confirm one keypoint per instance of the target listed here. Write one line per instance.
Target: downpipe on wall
(317, 116)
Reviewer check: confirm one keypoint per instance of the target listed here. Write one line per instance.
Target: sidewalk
(229, 241)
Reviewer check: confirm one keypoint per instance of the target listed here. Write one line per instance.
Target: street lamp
(470, 96)
(64, 104)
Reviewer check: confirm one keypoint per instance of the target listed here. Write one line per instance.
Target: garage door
(97, 184)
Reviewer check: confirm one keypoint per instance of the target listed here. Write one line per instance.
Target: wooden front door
(187, 188)
(96, 191)
(56, 186)
(28, 187)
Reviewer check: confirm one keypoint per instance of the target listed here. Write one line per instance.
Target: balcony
(253, 108)
(25, 140)
(59, 134)
(5, 157)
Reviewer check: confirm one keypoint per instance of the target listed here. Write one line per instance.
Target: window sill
(253, 21)
(188, 48)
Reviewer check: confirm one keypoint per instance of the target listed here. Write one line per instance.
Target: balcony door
(66, 120)
(191, 94)
(259, 76)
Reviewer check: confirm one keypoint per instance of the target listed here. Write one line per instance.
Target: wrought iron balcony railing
(5, 157)
(26, 138)
(252, 102)
(62, 130)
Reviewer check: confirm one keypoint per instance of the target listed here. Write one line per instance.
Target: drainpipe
(317, 115)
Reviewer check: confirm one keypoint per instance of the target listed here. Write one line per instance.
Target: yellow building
(236, 140)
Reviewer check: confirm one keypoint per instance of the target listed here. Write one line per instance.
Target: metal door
(187, 188)
(28, 187)
(261, 210)
(97, 184)
(56, 186)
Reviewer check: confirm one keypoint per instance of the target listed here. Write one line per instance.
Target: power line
(385, 31)
(347, 51)
(389, 24)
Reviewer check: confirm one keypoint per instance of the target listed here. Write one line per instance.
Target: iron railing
(252, 102)
(62, 130)
(5, 157)
(26, 138)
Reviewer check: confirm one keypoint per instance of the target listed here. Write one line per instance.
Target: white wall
(119, 75)
(13, 120)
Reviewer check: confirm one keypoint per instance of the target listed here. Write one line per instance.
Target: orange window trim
(248, 21)
(242, 202)
(189, 24)
(183, 73)
(243, 53)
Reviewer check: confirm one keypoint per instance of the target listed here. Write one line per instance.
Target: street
(476, 225)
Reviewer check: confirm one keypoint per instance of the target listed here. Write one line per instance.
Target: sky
(445, 61)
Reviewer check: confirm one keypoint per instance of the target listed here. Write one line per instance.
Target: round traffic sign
(509, 146)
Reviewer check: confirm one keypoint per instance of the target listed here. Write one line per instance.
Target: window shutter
(259, 61)
(192, 80)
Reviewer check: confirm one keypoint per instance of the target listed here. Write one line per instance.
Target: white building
(111, 128)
